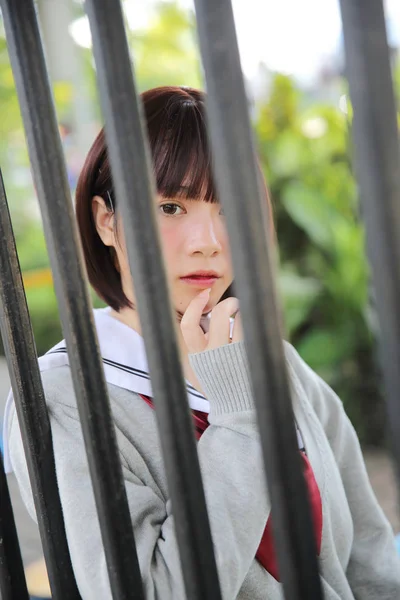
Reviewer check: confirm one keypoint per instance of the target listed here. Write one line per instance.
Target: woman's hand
(219, 333)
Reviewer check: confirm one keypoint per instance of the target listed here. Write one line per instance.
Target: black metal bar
(31, 409)
(27, 60)
(377, 162)
(12, 576)
(245, 205)
(132, 177)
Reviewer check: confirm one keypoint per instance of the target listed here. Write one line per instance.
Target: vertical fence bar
(131, 174)
(377, 162)
(239, 187)
(30, 404)
(27, 60)
(12, 576)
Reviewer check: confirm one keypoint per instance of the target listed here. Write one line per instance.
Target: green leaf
(324, 349)
(298, 296)
(309, 210)
(288, 156)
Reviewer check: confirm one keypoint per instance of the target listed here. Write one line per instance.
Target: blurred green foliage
(324, 273)
(305, 152)
(166, 52)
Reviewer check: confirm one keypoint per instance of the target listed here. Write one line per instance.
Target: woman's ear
(104, 221)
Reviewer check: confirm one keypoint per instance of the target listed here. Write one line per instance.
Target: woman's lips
(200, 281)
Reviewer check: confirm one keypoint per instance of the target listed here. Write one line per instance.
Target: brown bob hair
(181, 157)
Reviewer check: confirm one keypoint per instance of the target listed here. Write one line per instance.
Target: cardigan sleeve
(373, 570)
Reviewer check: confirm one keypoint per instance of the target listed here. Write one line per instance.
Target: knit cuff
(224, 377)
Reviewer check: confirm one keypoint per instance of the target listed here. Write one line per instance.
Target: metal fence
(378, 161)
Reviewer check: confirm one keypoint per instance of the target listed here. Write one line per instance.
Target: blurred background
(293, 64)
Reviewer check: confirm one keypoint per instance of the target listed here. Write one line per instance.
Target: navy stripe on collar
(128, 369)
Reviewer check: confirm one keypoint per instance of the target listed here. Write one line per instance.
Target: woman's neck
(129, 317)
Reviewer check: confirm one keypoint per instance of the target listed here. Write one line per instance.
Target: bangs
(180, 150)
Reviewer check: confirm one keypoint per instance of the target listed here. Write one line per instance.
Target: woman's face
(196, 251)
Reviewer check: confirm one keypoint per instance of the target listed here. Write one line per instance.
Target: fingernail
(205, 292)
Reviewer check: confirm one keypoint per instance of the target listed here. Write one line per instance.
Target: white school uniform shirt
(125, 365)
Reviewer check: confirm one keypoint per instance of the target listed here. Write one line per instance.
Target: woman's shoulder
(297, 366)
(128, 409)
(58, 384)
(314, 389)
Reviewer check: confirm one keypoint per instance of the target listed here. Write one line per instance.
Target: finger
(192, 333)
(237, 335)
(220, 322)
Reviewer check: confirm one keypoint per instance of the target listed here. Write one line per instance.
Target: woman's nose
(204, 238)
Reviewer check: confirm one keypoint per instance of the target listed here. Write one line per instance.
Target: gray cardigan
(358, 559)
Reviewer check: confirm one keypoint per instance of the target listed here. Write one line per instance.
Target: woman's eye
(170, 209)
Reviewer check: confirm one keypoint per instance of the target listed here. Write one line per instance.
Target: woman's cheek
(169, 243)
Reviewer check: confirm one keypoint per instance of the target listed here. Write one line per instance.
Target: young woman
(355, 544)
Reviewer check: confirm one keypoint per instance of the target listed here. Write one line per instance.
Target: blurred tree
(166, 52)
(11, 118)
(324, 274)
(68, 77)
(396, 77)
(13, 156)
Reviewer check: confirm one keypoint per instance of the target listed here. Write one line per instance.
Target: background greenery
(305, 152)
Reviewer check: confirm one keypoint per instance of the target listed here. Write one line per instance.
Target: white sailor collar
(124, 358)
